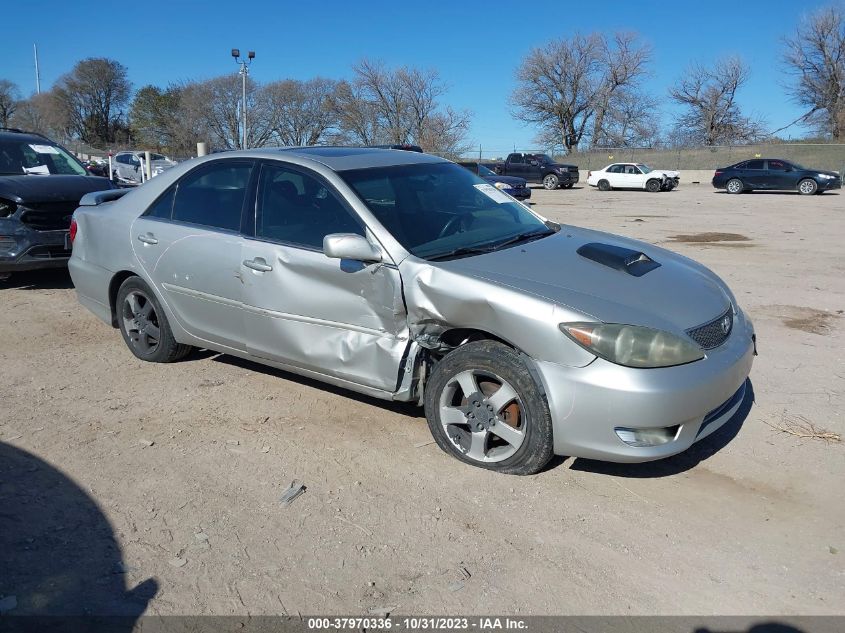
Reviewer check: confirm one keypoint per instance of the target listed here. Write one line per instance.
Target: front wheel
(484, 408)
(550, 181)
(808, 187)
(653, 186)
(144, 326)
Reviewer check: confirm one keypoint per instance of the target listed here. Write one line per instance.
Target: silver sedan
(406, 277)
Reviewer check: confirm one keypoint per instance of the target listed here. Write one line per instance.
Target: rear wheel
(144, 326)
(550, 181)
(604, 185)
(484, 408)
(734, 185)
(653, 186)
(808, 187)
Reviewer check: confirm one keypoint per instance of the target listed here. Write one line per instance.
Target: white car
(127, 167)
(633, 176)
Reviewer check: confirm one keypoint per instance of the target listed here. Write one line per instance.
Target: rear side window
(163, 207)
(517, 158)
(754, 164)
(213, 196)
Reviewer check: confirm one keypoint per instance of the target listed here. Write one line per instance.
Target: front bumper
(27, 249)
(828, 184)
(568, 177)
(588, 403)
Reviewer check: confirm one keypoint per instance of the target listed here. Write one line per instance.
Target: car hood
(675, 296)
(23, 189)
(513, 181)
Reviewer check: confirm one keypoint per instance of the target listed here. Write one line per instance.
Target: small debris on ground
(832, 549)
(145, 443)
(421, 444)
(292, 492)
(265, 449)
(177, 562)
(382, 612)
(202, 536)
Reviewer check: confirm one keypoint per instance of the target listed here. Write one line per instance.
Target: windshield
(436, 210)
(644, 168)
(484, 172)
(42, 158)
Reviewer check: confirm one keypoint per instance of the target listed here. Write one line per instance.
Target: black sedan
(775, 174)
(511, 185)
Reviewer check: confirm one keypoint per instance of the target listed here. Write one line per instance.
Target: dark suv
(40, 187)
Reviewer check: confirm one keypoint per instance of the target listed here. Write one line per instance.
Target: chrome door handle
(258, 264)
(147, 239)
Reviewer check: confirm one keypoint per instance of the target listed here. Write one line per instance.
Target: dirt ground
(164, 480)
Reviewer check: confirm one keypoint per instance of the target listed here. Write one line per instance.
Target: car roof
(13, 135)
(342, 158)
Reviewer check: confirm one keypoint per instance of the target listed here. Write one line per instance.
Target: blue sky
(476, 46)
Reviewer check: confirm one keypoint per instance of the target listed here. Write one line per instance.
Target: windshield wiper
(490, 247)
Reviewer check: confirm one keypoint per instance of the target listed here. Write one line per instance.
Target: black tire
(604, 185)
(491, 358)
(653, 186)
(164, 349)
(734, 185)
(550, 182)
(808, 187)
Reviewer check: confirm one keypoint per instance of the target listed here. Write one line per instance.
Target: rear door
(755, 175)
(516, 166)
(339, 318)
(615, 176)
(189, 243)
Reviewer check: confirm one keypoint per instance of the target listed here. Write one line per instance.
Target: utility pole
(243, 72)
(37, 73)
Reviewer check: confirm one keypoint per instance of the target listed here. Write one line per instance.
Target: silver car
(128, 167)
(406, 277)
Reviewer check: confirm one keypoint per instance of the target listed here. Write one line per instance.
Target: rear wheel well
(114, 286)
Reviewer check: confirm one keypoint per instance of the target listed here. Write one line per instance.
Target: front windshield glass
(484, 172)
(41, 158)
(441, 210)
(644, 168)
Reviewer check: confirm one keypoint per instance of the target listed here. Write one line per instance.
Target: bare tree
(571, 87)
(709, 96)
(815, 57)
(301, 112)
(45, 114)
(9, 97)
(95, 94)
(401, 105)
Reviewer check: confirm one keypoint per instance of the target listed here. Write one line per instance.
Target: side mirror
(350, 246)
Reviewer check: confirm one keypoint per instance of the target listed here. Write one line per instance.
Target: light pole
(243, 72)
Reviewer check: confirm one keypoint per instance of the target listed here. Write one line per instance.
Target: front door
(340, 318)
(781, 175)
(189, 244)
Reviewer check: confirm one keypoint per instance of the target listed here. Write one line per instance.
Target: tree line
(581, 92)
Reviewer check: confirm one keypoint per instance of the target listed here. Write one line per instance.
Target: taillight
(718, 173)
(73, 229)
(589, 173)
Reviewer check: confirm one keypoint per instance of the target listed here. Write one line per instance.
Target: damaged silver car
(406, 277)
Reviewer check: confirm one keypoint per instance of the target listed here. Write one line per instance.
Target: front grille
(573, 169)
(48, 216)
(715, 332)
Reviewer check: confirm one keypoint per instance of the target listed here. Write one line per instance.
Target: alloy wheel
(141, 322)
(483, 416)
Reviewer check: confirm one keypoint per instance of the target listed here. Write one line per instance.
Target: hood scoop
(626, 260)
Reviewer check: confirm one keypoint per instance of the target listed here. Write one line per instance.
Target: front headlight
(632, 345)
(827, 176)
(502, 185)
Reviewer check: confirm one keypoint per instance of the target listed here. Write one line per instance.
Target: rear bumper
(587, 404)
(28, 249)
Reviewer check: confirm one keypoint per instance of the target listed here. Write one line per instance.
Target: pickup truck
(538, 168)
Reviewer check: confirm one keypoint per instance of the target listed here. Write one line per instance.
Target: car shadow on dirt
(676, 464)
(47, 279)
(406, 409)
(58, 552)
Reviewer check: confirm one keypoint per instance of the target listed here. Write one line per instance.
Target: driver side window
(298, 209)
